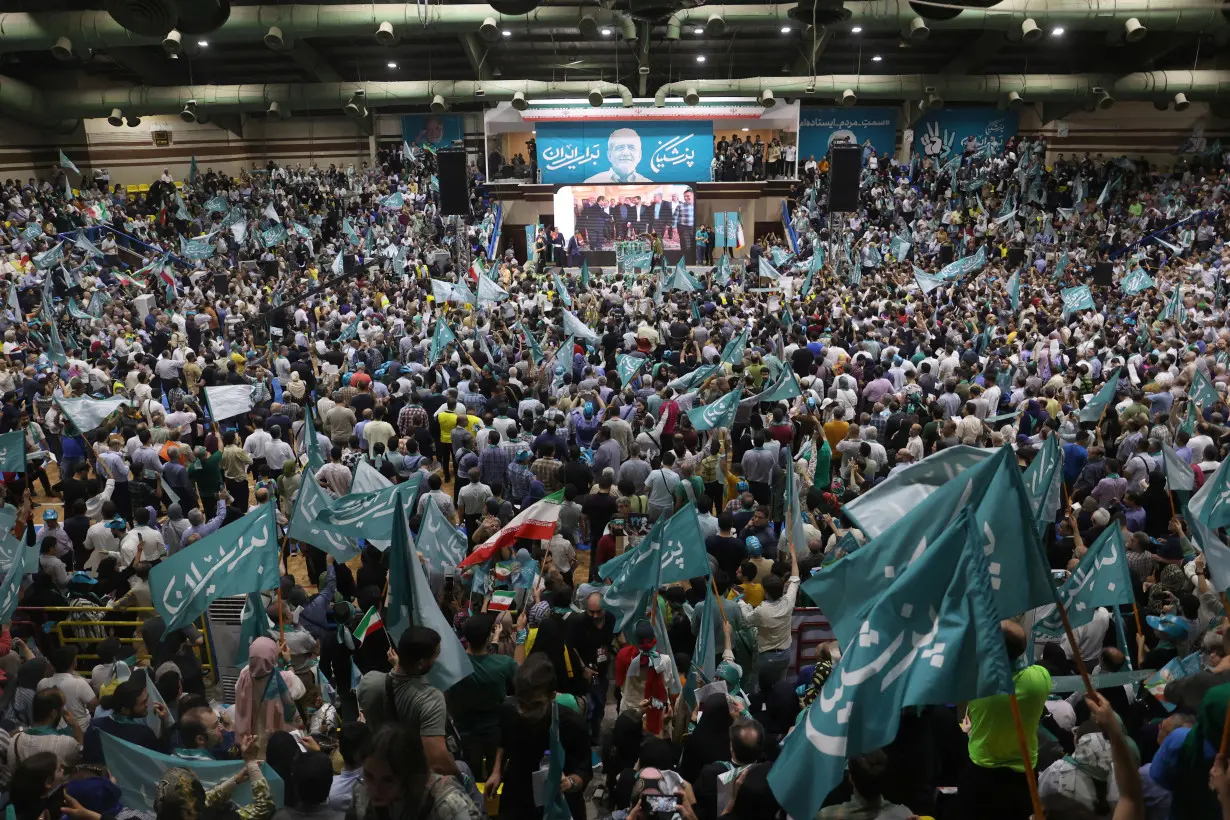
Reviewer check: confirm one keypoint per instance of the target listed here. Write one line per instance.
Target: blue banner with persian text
(624, 152)
(940, 133)
(821, 128)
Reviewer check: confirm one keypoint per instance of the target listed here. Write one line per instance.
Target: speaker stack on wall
(454, 187)
(1015, 256)
(844, 177)
(221, 285)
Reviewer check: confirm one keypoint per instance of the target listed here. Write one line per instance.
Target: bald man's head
(1014, 638)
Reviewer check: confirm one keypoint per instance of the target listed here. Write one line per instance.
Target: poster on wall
(820, 128)
(939, 133)
(435, 130)
(622, 153)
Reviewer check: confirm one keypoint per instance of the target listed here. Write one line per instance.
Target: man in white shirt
(772, 620)
(254, 446)
(79, 697)
(142, 540)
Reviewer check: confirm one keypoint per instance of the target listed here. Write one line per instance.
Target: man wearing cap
(52, 529)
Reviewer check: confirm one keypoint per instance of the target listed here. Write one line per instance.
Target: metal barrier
(73, 629)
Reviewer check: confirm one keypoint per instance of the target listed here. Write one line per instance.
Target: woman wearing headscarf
(620, 750)
(175, 527)
(570, 682)
(1084, 777)
(710, 740)
(296, 387)
(281, 752)
(19, 695)
(179, 794)
(254, 713)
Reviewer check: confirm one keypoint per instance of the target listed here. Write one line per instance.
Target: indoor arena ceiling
(66, 45)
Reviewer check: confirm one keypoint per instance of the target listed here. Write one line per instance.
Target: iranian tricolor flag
(165, 274)
(372, 622)
(501, 600)
(538, 521)
(99, 212)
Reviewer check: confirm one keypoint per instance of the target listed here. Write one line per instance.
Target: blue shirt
(1074, 458)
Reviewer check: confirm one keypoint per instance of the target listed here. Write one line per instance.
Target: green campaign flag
(1174, 312)
(199, 248)
(1014, 289)
(1215, 501)
(367, 514)
(57, 353)
(273, 235)
(1101, 579)
(441, 337)
(575, 327)
(931, 635)
(883, 505)
(239, 558)
(555, 805)
(703, 668)
(489, 292)
(1179, 474)
(88, 415)
(311, 442)
(722, 274)
(1044, 482)
(253, 624)
(784, 388)
(767, 271)
(1188, 425)
(218, 204)
(311, 501)
(1204, 510)
(733, 352)
(794, 511)
(440, 543)
(65, 162)
(993, 489)
(926, 281)
(1136, 281)
(628, 366)
(532, 343)
(584, 274)
(695, 378)
(411, 603)
(720, 413)
(1092, 412)
(24, 561)
(444, 292)
(1077, 298)
(394, 200)
(50, 258)
(349, 230)
(1202, 391)
(561, 289)
(192, 171)
(672, 551)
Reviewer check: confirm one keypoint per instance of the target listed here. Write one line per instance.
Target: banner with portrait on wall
(607, 214)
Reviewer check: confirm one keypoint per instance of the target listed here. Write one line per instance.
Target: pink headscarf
(250, 689)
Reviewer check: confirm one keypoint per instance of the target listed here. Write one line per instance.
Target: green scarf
(1192, 798)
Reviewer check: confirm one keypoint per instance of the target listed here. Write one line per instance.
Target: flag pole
(1080, 664)
(718, 599)
(1030, 777)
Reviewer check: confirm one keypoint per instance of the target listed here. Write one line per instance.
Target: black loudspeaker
(1104, 274)
(1015, 256)
(221, 285)
(454, 190)
(846, 170)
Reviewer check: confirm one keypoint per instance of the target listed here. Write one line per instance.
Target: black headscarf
(710, 740)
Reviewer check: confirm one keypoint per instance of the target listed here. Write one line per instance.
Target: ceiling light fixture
(202, 43)
(392, 65)
(785, 29)
(606, 32)
(700, 58)
(856, 30)
(698, 30)
(877, 58)
(1057, 31)
(747, 129)
(506, 33)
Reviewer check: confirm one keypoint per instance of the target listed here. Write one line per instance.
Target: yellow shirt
(447, 422)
